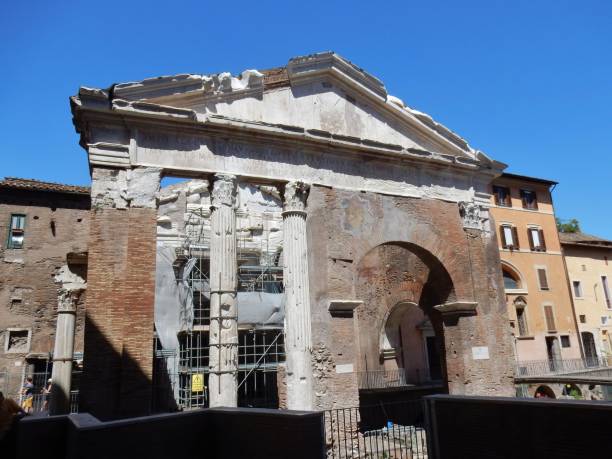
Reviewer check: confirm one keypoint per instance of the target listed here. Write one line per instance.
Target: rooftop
(16, 183)
(583, 239)
(528, 179)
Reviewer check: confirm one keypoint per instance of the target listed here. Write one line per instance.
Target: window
(565, 341)
(529, 199)
(542, 279)
(577, 289)
(510, 281)
(536, 239)
(502, 196)
(582, 319)
(17, 340)
(16, 231)
(604, 320)
(606, 291)
(584, 267)
(550, 318)
(509, 237)
(521, 316)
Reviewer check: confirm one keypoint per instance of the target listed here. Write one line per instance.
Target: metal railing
(389, 430)
(386, 379)
(550, 367)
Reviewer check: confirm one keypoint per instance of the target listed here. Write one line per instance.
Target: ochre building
(539, 303)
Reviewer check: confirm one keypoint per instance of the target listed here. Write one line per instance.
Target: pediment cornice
(88, 108)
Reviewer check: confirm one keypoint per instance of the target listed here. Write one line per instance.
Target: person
(8, 410)
(27, 395)
(46, 391)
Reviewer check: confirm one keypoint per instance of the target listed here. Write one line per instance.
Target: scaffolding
(181, 375)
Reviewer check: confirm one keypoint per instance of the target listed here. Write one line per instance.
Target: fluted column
(297, 298)
(63, 352)
(223, 361)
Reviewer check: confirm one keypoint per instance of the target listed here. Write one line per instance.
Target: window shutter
(515, 242)
(542, 243)
(524, 199)
(531, 246)
(550, 318)
(542, 278)
(503, 237)
(534, 203)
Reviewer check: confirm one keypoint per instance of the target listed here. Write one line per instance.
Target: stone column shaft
(63, 354)
(298, 345)
(223, 353)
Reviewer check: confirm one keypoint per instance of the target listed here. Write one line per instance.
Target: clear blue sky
(528, 82)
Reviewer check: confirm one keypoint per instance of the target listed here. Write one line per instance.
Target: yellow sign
(197, 382)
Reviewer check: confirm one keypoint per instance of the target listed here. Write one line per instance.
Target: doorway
(590, 351)
(554, 352)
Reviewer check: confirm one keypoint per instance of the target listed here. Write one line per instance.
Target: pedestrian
(27, 395)
(46, 391)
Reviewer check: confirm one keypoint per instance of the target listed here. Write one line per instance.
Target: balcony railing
(387, 379)
(535, 368)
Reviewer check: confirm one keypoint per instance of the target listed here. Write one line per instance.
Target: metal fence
(534, 368)
(386, 430)
(403, 377)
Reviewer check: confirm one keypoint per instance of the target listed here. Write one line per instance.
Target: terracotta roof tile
(37, 185)
(583, 239)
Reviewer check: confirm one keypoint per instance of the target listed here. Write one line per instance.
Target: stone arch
(544, 391)
(400, 284)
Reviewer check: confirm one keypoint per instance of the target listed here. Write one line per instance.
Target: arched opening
(573, 391)
(409, 346)
(512, 279)
(544, 392)
(401, 333)
(520, 305)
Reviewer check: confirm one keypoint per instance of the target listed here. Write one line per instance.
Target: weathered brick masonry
(56, 225)
(119, 325)
(383, 250)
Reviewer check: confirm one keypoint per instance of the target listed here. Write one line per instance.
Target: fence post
(430, 427)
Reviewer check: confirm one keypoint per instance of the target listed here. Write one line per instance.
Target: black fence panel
(202, 433)
(505, 428)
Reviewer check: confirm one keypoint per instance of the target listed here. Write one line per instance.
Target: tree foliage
(568, 226)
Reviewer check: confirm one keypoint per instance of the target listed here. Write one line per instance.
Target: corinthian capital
(296, 194)
(224, 191)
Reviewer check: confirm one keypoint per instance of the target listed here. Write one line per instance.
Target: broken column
(297, 298)
(71, 288)
(223, 353)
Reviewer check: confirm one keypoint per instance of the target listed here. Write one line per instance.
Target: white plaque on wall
(480, 353)
(346, 368)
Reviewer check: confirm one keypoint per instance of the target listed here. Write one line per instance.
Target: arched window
(521, 315)
(511, 280)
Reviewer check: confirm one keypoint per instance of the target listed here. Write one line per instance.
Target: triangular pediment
(321, 92)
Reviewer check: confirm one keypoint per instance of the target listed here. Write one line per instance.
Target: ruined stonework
(389, 264)
(34, 277)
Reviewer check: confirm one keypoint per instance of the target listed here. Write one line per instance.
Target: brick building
(367, 221)
(43, 232)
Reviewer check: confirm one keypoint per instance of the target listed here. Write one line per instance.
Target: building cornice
(88, 108)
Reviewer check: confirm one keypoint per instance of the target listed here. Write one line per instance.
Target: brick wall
(120, 313)
(28, 293)
(383, 249)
